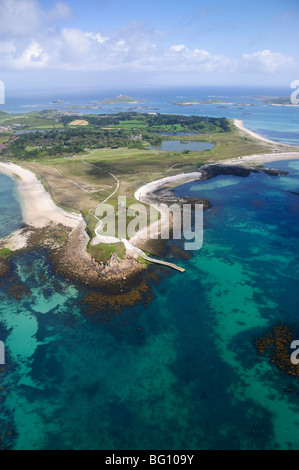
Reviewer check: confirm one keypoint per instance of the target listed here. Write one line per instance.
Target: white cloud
(96, 37)
(7, 48)
(30, 38)
(33, 57)
(179, 48)
(19, 17)
(74, 49)
(27, 17)
(201, 52)
(268, 62)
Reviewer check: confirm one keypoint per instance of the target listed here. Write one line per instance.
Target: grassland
(34, 120)
(5, 253)
(103, 251)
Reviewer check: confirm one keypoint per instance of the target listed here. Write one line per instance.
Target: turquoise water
(180, 372)
(10, 210)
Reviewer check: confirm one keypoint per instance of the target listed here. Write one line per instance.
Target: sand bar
(253, 160)
(239, 124)
(37, 206)
(142, 193)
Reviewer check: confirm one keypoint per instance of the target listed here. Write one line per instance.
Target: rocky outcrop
(73, 262)
(211, 171)
(167, 196)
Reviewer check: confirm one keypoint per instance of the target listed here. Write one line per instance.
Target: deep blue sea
(182, 371)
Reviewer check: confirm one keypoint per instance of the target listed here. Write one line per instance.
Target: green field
(31, 121)
(5, 253)
(103, 252)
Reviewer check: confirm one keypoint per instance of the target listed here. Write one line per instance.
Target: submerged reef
(277, 345)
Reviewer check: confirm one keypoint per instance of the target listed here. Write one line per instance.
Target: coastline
(64, 235)
(144, 194)
(260, 159)
(240, 125)
(44, 220)
(39, 210)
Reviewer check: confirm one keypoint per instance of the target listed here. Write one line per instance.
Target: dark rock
(211, 171)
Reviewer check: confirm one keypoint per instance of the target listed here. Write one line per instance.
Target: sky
(75, 43)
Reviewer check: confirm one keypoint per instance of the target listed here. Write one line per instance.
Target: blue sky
(228, 27)
(162, 42)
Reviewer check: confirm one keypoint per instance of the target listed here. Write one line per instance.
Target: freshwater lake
(181, 146)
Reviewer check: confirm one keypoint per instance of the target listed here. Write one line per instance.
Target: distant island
(57, 102)
(81, 107)
(274, 100)
(209, 101)
(119, 99)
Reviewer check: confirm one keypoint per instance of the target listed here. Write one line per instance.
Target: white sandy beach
(37, 206)
(143, 195)
(253, 160)
(239, 124)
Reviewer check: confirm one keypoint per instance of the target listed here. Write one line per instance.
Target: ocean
(10, 204)
(279, 123)
(178, 371)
